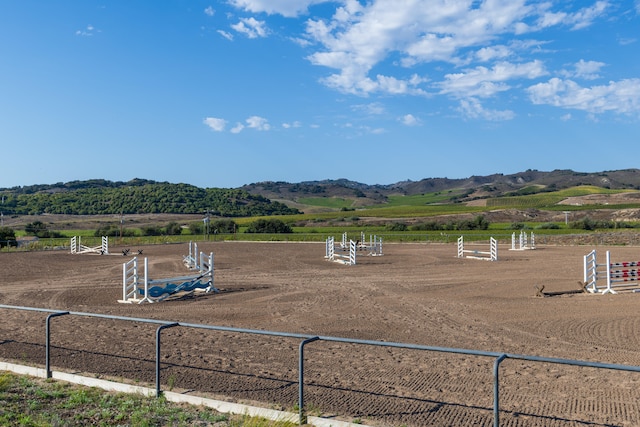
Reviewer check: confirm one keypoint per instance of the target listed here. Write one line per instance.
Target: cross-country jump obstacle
(344, 253)
(523, 242)
(78, 248)
(374, 246)
(623, 276)
(490, 255)
(135, 290)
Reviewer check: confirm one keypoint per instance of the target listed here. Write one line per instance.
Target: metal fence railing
(306, 339)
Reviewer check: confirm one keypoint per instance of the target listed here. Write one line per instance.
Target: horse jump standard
(622, 275)
(78, 248)
(490, 255)
(523, 242)
(346, 253)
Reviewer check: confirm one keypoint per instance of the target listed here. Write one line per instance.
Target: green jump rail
(306, 339)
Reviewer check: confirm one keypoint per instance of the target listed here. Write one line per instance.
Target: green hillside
(137, 196)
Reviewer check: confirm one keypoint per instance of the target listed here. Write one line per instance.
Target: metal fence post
(496, 390)
(160, 328)
(301, 412)
(47, 356)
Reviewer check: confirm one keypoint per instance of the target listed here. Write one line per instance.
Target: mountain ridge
(472, 187)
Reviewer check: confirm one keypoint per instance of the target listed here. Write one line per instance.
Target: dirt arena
(415, 293)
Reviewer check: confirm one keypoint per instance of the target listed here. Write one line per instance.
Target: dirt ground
(416, 293)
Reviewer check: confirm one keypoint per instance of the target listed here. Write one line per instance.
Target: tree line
(100, 197)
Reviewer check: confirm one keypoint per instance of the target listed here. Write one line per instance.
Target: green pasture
(326, 202)
(424, 199)
(550, 200)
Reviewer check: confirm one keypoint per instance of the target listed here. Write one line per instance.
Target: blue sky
(227, 93)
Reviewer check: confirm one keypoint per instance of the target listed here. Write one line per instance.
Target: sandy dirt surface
(416, 293)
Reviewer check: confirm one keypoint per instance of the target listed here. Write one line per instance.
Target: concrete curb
(218, 405)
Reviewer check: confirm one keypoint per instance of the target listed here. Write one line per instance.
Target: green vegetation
(7, 237)
(136, 196)
(478, 223)
(39, 229)
(33, 402)
(438, 197)
(548, 199)
(268, 226)
(326, 202)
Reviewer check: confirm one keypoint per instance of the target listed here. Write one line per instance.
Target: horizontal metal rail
(306, 339)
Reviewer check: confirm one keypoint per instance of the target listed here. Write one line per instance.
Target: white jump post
(374, 246)
(191, 260)
(345, 255)
(490, 255)
(130, 281)
(591, 272)
(522, 241)
(78, 248)
(621, 275)
(344, 241)
(330, 247)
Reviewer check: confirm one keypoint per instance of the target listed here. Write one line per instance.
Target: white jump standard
(490, 255)
(523, 242)
(191, 260)
(78, 248)
(345, 253)
(623, 276)
(374, 246)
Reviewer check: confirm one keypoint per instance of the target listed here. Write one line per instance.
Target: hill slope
(458, 190)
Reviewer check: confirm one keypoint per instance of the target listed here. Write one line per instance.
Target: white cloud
(585, 17)
(288, 8)
(295, 124)
(237, 128)
(225, 34)
(409, 120)
(582, 18)
(472, 108)
(358, 38)
(88, 31)
(620, 97)
(473, 48)
(374, 108)
(215, 124)
(258, 123)
(209, 11)
(493, 52)
(484, 82)
(588, 69)
(627, 40)
(251, 28)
